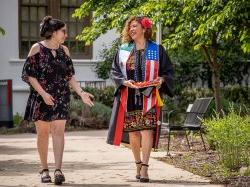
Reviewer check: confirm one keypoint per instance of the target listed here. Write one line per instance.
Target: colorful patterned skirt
(135, 121)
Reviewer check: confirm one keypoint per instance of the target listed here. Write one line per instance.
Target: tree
(103, 68)
(2, 32)
(207, 25)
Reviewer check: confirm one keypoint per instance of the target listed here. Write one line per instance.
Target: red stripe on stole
(148, 62)
(147, 76)
(153, 101)
(145, 104)
(158, 110)
(121, 117)
(156, 67)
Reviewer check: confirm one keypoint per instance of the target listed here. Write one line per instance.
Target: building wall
(11, 65)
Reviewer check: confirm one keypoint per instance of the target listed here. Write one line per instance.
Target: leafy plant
(212, 27)
(2, 31)
(230, 136)
(17, 119)
(103, 68)
(104, 96)
(101, 111)
(82, 116)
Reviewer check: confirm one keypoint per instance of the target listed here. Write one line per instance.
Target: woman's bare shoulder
(34, 49)
(66, 50)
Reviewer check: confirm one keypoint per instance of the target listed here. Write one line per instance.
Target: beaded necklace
(140, 62)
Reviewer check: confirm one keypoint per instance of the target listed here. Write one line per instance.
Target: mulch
(199, 161)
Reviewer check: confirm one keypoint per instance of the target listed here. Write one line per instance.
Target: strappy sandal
(143, 179)
(45, 177)
(59, 178)
(138, 169)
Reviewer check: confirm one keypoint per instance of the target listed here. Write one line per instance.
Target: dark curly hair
(50, 25)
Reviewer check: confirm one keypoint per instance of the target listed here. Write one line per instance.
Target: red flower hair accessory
(146, 23)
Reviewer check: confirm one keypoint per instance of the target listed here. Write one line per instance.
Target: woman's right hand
(129, 83)
(48, 99)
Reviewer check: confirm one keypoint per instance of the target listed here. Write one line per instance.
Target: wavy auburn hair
(125, 33)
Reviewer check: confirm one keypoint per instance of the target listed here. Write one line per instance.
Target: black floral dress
(53, 73)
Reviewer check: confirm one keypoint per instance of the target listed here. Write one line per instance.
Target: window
(31, 13)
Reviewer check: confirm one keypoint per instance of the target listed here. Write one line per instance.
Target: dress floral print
(53, 74)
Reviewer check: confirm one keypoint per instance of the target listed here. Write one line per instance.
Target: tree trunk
(216, 78)
(215, 68)
(217, 92)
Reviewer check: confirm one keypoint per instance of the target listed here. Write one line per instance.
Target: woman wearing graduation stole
(142, 71)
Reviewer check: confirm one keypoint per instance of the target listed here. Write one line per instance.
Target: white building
(20, 20)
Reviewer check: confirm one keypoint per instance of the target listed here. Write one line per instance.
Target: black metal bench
(193, 120)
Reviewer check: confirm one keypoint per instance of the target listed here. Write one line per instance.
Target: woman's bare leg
(135, 143)
(43, 129)
(147, 143)
(57, 130)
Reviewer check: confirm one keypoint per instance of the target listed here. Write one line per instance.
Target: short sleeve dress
(53, 73)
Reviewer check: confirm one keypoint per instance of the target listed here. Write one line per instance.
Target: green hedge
(83, 116)
(104, 96)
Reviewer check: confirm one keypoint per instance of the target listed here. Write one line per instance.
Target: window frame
(53, 9)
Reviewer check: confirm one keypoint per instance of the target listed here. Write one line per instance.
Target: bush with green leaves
(104, 96)
(101, 111)
(83, 116)
(103, 68)
(230, 136)
(17, 119)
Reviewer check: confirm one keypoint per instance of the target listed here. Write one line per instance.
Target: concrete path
(88, 161)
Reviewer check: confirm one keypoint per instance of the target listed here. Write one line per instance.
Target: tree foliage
(107, 54)
(210, 25)
(2, 31)
(193, 21)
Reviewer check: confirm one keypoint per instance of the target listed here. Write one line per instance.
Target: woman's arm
(86, 97)
(48, 99)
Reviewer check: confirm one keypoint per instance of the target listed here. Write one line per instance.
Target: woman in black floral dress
(50, 73)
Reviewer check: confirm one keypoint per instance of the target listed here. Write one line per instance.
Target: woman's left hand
(87, 98)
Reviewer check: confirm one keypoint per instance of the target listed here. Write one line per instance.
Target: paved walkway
(88, 161)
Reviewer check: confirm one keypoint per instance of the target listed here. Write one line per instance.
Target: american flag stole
(151, 68)
(151, 73)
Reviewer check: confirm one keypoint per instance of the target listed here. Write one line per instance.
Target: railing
(93, 84)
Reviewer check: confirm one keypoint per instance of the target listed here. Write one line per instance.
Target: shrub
(101, 111)
(83, 116)
(104, 96)
(230, 136)
(17, 119)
